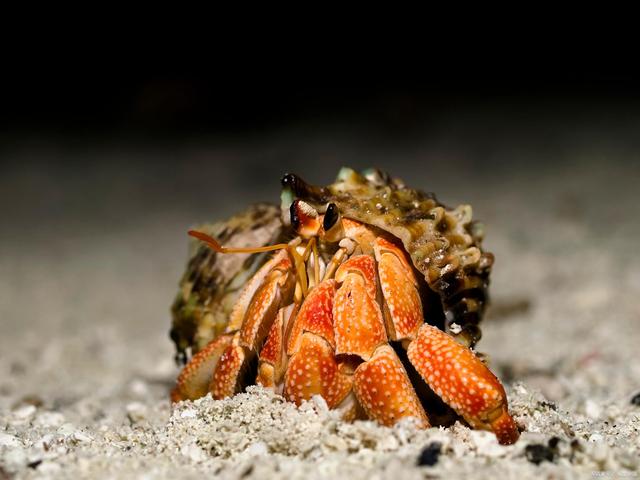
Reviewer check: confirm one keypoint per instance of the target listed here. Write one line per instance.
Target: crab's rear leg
(275, 291)
(222, 363)
(451, 370)
(195, 377)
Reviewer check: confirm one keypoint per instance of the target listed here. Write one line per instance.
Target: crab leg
(385, 391)
(226, 378)
(261, 313)
(221, 363)
(463, 382)
(273, 356)
(451, 370)
(381, 383)
(193, 381)
(276, 290)
(241, 305)
(402, 305)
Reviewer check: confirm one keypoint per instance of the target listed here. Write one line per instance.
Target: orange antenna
(213, 243)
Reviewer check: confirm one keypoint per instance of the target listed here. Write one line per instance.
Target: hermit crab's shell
(212, 281)
(444, 243)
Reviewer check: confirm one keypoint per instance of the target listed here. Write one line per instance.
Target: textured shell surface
(212, 281)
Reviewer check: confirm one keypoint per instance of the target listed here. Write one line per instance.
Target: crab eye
(293, 212)
(331, 216)
(289, 180)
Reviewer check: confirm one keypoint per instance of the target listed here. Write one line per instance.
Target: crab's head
(305, 209)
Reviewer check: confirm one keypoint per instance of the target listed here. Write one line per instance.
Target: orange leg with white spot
(273, 356)
(463, 382)
(381, 384)
(452, 371)
(385, 391)
(194, 379)
(221, 363)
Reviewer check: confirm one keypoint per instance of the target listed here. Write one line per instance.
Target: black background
(158, 89)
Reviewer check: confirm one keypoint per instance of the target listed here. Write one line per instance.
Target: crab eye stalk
(294, 184)
(299, 188)
(331, 216)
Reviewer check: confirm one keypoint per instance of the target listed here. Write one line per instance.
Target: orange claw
(313, 370)
(463, 382)
(358, 324)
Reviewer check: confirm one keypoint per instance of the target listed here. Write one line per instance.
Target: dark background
(53, 98)
(100, 141)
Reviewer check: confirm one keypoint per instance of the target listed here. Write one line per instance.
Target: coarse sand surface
(90, 257)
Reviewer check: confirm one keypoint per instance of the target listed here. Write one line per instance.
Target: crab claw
(314, 370)
(465, 383)
(358, 323)
(313, 367)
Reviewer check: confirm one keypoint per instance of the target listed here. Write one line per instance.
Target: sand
(90, 264)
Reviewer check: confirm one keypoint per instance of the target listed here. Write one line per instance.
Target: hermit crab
(365, 292)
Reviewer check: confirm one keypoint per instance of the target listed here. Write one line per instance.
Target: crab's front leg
(451, 370)
(219, 366)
